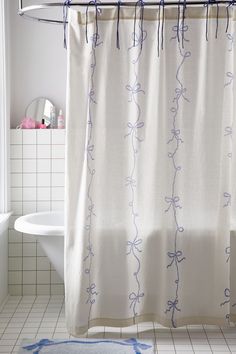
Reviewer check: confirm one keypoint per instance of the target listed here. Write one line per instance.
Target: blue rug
(87, 346)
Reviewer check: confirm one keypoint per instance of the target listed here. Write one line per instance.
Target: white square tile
(58, 179)
(58, 165)
(43, 136)
(43, 277)
(16, 136)
(29, 290)
(29, 151)
(15, 236)
(29, 249)
(16, 194)
(29, 263)
(43, 289)
(43, 206)
(43, 263)
(43, 193)
(29, 166)
(29, 136)
(15, 289)
(58, 206)
(29, 207)
(58, 151)
(29, 277)
(57, 289)
(55, 278)
(16, 208)
(44, 179)
(15, 263)
(16, 166)
(15, 250)
(16, 180)
(57, 193)
(58, 136)
(43, 151)
(15, 277)
(29, 180)
(15, 152)
(44, 165)
(40, 251)
(29, 194)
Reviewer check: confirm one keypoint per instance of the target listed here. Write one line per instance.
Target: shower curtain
(150, 181)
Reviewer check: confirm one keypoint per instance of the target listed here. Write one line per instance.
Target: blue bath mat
(87, 346)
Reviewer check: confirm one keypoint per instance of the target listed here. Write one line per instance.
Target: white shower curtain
(150, 207)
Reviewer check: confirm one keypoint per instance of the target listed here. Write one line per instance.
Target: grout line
(63, 302)
(17, 337)
(40, 322)
(190, 339)
(173, 342)
(225, 339)
(17, 304)
(207, 339)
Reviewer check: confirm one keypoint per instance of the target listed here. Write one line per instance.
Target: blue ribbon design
(227, 295)
(231, 39)
(176, 135)
(228, 131)
(134, 129)
(135, 298)
(136, 88)
(130, 182)
(172, 305)
(180, 28)
(65, 16)
(227, 251)
(227, 195)
(229, 75)
(132, 342)
(180, 93)
(134, 244)
(172, 202)
(175, 256)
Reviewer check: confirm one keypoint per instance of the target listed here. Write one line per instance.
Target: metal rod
(22, 11)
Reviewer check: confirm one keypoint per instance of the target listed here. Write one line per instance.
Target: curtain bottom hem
(108, 322)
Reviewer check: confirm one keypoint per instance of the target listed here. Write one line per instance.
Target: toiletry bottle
(60, 120)
(43, 125)
(53, 120)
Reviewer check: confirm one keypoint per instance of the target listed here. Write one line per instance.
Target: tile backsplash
(37, 184)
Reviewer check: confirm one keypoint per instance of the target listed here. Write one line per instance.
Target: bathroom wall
(37, 184)
(38, 61)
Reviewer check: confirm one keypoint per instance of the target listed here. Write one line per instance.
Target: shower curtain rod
(24, 11)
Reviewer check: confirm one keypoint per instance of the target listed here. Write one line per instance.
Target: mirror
(41, 108)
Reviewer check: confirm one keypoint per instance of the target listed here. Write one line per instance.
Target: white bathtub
(48, 228)
(4, 220)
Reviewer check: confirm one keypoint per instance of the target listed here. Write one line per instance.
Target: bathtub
(4, 220)
(48, 228)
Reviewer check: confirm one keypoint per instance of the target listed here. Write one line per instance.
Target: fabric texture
(150, 180)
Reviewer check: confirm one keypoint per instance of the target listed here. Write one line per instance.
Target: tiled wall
(37, 184)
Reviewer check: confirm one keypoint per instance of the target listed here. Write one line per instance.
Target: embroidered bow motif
(175, 135)
(90, 252)
(136, 88)
(172, 305)
(138, 39)
(227, 295)
(231, 39)
(228, 131)
(91, 96)
(135, 298)
(91, 291)
(172, 202)
(180, 93)
(175, 256)
(134, 129)
(134, 245)
(181, 28)
(95, 37)
(137, 346)
(231, 78)
(130, 182)
(227, 251)
(228, 202)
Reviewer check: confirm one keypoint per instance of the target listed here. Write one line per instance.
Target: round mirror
(40, 108)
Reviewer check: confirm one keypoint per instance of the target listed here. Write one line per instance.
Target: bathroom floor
(43, 317)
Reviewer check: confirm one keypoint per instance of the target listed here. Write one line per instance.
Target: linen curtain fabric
(150, 202)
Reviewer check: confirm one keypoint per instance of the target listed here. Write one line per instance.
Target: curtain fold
(150, 175)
